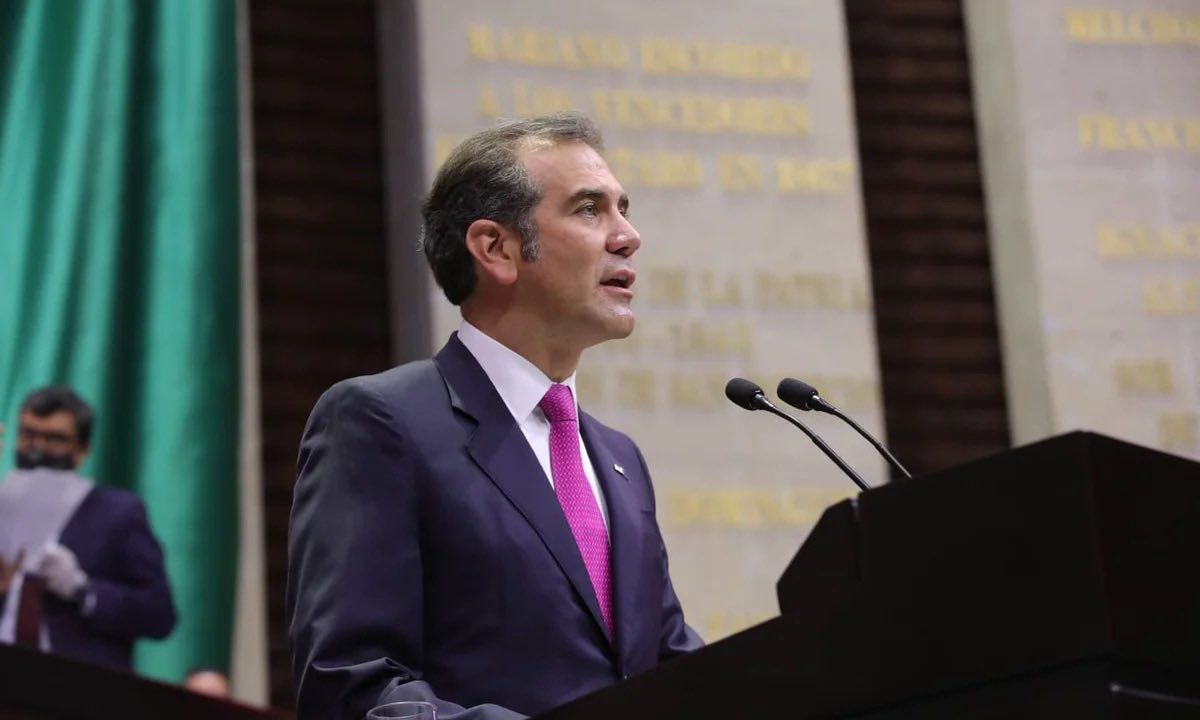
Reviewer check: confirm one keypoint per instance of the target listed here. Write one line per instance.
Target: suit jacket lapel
(500, 449)
(624, 531)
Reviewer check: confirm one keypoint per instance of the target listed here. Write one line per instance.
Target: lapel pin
(621, 470)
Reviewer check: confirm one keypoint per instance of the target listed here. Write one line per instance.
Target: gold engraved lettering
(1179, 242)
(700, 339)
(744, 508)
(481, 40)
(635, 389)
(544, 48)
(443, 145)
(1170, 29)
(489, 105)
(683, 507)
(1191, 133)
(702, 58)
(718, 291)
(1099, 131)
(1177, 431)
(1081, 25)
(732, 508)
(732, 512)
(796, 510)
(807, 177)
(1162, 133)
(1158, 298)
(1113, 242)
(720, 625)
(1117, 27)
(716, 625)
(1145, 377)
(779, 291)
(603, 51)
(740, 173)
(696, 391)
(590, 386)
(668, 286)
(1172, 298)
(1126, 242)
(657, 169)
(700, 114)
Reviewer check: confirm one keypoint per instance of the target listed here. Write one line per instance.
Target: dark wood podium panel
(1094, 690)
(1060, 579)
(40, 686)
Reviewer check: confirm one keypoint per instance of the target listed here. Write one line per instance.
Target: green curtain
(119, 268)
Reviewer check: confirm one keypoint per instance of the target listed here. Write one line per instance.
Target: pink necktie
(575, 494)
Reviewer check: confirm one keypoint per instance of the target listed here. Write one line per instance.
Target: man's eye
(589, 209)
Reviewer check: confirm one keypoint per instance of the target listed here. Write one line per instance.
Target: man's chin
(622, 326)
(613, 328)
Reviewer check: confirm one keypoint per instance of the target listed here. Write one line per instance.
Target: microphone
(748, 395)
(800, 394)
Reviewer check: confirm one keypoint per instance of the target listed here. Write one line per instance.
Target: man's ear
(496, 250)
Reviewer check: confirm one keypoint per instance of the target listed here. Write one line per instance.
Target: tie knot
(558, 404)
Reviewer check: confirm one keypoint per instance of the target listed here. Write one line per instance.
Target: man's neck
(526, 339)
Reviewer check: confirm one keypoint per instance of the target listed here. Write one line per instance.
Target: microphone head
(744, 393)
(798, 394)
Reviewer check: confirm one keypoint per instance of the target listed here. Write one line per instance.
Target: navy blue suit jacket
(111, 537)
(429, 557)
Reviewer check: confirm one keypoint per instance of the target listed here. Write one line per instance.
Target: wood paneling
(927, 231)
(322, 271)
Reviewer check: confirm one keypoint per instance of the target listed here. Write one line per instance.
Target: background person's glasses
(27, 434)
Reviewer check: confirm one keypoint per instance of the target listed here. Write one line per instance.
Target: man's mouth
(621, 279)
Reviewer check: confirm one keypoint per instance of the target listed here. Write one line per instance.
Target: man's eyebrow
(597, 195)
(586, 194)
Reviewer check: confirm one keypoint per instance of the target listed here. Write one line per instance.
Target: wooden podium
(39, 686)
(1057, 580)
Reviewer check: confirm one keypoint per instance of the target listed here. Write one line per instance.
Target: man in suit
(461, 532)
(94, 580)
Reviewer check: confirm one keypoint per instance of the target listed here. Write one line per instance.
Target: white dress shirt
(521, 386)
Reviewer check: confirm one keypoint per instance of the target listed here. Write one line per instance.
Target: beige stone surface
(1090, 126)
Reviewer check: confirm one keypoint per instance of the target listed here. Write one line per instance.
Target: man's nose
(627, 240)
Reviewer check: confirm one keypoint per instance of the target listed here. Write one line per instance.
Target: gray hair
(483, 179)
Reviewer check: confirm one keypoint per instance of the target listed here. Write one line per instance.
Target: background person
(207, 681)
(87, 549)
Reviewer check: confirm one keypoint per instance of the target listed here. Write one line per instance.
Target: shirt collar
(520, 383)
